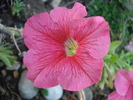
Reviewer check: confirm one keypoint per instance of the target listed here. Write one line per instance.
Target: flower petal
(80, 71)
(33, 28)
(41, 64)
(122, 82)
(129, 94)
(115, 96)
(93, 34)
(131, 75)
(40, 28)
(61, 14)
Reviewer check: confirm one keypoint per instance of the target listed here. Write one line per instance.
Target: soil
(8, 79)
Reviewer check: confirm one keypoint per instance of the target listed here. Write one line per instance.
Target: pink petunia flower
(123, 85)
(65, 48)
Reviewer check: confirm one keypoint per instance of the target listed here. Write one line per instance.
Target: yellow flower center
(70, 46)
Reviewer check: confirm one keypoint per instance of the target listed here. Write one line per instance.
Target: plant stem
(81, 95)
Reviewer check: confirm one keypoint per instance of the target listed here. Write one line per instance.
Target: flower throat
(70, 46)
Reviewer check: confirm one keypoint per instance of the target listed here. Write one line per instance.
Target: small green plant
(18, 7)
(113, 62)
(6, 55)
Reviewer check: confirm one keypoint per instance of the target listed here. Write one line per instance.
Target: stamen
(70, 46)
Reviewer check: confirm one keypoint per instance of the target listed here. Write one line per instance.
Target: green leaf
(113, 46)
(103, 80)
(44, 92)
(110, 82)
(5, 60)
(128, 68)
(7, 52)
(12, 59)
(128, 56)
(119, 63)
(107, 57)
(101, 85)
(113, 58)
(6, 55)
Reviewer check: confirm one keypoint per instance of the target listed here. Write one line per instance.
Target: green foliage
(113, 46)
(18, 7)
(6, 55)
(119, 14)
(113, 62)
(44, 92)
